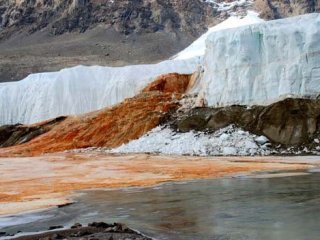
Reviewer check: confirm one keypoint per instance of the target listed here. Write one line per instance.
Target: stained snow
(226, 141)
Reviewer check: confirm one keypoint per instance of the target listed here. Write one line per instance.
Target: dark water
(238, 208)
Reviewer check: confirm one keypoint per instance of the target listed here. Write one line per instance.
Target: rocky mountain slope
(275, 9)
(41, 35)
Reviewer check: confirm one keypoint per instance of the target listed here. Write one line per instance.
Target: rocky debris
(228, 141)
(76, 225)
(54, 227)
(287, 122)
(275, 9)
(11, 135)
(97, 231)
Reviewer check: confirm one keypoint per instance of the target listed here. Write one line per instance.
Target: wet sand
(34, 183)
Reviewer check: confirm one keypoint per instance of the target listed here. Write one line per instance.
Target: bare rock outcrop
(287, 122)
(18, 134)
(124, 16)
(48, 35)
(275, 9)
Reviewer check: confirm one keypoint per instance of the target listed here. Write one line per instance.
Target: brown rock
(47, 35)
(275, 9)
(17, 134)
(289, 122)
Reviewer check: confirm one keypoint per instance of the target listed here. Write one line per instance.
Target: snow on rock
(197, 48)
(228, 6)
(79, 89)
(226, 141)
(263, 63)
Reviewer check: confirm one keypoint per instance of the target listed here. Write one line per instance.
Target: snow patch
(227, 141)
(230, 5)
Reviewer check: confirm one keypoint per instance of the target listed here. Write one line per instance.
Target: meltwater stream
(236, 208)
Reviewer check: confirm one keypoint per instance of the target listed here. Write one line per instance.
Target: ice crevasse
(262, 63)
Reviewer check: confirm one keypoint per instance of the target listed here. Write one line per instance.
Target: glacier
(79, 89)
(84, 89)
(262, 63)
(259, 63)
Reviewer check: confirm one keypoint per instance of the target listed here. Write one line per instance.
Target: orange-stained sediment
(32, 183)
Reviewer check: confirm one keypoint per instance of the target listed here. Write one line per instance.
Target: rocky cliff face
(127, 16)
(275, 9)
(288, 122)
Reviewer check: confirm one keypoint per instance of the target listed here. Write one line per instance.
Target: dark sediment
(11, 135)
(96, 230)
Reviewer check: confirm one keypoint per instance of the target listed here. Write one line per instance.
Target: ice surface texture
(79, 90)
(263, 63)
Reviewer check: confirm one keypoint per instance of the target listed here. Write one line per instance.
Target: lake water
(285, 208)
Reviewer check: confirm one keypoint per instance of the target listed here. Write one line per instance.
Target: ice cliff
(79, 90)
(262, 63)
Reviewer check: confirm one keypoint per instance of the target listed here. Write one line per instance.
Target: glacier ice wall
(79, 89)
(262, 63)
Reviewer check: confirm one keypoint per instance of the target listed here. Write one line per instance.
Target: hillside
(41, 36)
(37, 36)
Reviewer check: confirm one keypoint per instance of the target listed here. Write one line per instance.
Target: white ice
(263, 63)
(79, 90)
